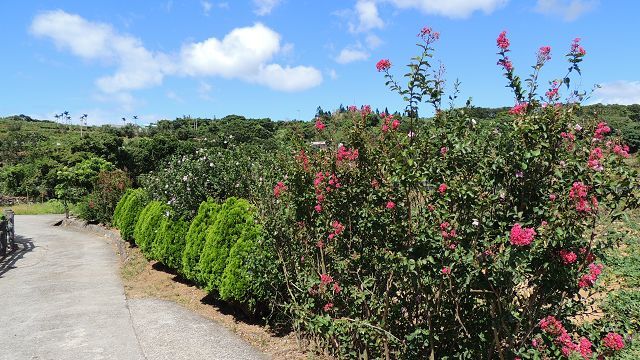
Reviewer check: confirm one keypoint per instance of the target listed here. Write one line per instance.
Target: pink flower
(383, 65)
(443, 151)
(336, 288)
(552, 197)
(585, 348)
(279, 189)
(588, 280)
(445, 270)
(601, 130)
(346, 154)
(390, 205)
(502, 41)
(320, 244)
(325, 279)
(544, 54)
(621, 150)
(428, 35)
(506, 64)
(318, 208)
(327, 307)
(395, 124)
(442, 188)
(576, 49)
(521, 236)
(552, 326)
(385, 128)
(568, 257)
(320, 125)
(519, 109)
(613, 341)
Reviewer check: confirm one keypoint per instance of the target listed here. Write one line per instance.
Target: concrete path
(61, 298)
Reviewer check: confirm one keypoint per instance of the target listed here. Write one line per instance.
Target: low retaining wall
(101, 230)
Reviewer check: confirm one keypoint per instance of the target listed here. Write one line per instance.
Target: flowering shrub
(108, 189)
(451, 240)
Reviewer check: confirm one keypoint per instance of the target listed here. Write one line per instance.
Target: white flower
(211, 164)
(185, 178)
(578, 127)
(473, 122)
(475, 222)
(411, 134)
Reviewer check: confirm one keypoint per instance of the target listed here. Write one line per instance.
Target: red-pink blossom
(327, 307)
(442, 188)
(346, 154)
(613, 341)
(383, 65)
(601, 130)
(318, 208)
(552, 197)
(445, 270)
(444, 150)
(506, 64)
(621, 150)
(279, 189)
(320, 125)
(502, 41)
(576, 48)
(585, 348)
(428, 35)
(336, 288)
(395, 124)
(390, 204)
(568, 257)
(303, 159)
(325, 279)
(521, 236)
(544, 54)
(338, 228)
(519, 109)
(589, 279)
(552, 326)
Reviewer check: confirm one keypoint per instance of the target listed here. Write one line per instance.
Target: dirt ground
(144, 279)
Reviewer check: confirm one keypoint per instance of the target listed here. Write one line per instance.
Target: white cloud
(206, 7)
(137, 67)
(264, 7)
(349, 55)
(204, 90)
(373, 41)
(245, 53)
(175, 97)
(368, 17)
(569, 10)
(622, 92)
(333, 74)
(450, 8)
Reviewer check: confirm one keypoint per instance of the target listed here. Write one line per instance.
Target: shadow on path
(23, 245)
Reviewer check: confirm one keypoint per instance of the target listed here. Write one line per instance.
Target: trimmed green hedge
(233, 217)
(196, 238)
(169, 243)
(127, 212)
(147, 226)
(237, 281)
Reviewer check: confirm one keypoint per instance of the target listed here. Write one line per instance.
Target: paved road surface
(61, 298)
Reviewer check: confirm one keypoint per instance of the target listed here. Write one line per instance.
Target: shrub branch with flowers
(449, 241)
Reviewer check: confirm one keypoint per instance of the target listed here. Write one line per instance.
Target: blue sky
(284, 58)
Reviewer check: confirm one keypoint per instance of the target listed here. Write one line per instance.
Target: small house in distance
(319, 144)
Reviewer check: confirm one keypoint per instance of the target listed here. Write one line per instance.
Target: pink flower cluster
(319, 185)
(320, 125)
(594, 159)
(621, 150)
(588, 280)
(346, 154)
(521, 236)
(601, 130)
(383, 65)
(326, 279)
(578, 193)
(442, 188)
(390, 205)
(502, 41)
(568, 257)
(338, 228)
(519, 109)
(576, 48)
(389, 122)
(352, 108)
(613, 341)
(552, 94)
(428, 35)
(544, 54)
(554, 327)
(303, 160)
(279, 189)
(506, 64)
(446, 270)
(447, 234)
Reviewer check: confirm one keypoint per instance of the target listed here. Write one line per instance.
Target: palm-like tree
(83, 122)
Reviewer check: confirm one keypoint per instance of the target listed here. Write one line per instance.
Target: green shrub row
(215, 251)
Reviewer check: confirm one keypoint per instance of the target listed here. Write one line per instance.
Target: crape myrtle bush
(108, 189)
(216, 173)
(128, 210)
(452, 240)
